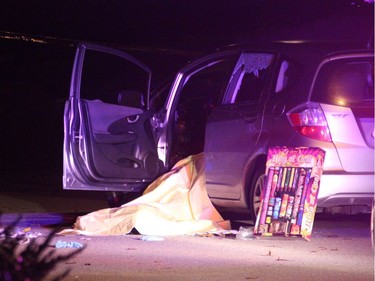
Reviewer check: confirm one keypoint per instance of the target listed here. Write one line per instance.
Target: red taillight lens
(310, 122)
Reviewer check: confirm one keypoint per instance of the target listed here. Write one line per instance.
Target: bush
(31, 263)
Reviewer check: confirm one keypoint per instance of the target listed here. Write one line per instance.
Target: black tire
(254, 191)
(118, 198)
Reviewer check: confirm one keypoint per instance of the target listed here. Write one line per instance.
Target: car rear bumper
(346, 190)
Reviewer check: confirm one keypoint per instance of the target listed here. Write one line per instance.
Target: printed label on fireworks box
(290, 192)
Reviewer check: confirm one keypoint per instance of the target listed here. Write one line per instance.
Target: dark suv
(232, 105)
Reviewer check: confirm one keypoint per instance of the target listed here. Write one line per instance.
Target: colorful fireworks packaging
(290, 192)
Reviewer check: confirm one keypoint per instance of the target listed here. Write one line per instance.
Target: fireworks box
(290, 192)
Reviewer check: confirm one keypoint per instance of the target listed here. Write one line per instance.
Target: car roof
(302, 48)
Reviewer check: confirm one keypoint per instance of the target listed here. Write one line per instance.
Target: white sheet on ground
(176, 203)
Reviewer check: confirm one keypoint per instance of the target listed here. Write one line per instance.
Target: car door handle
(133, 119)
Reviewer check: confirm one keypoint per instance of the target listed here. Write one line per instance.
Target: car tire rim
(257, 195)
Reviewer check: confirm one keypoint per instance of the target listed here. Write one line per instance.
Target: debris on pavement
(23, 236)
(151, 238)
(245, 233)
(65, 244)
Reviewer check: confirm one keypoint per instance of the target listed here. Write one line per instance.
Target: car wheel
(116, 198)
(255, 192)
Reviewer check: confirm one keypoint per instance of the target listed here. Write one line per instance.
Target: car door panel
(109, 142)
(228, 153)
(234, 128)
(117, 142)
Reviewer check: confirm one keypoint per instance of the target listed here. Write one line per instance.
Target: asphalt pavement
(340, 247)
(48, 207)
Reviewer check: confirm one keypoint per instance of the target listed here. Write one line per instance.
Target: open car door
(108, 138)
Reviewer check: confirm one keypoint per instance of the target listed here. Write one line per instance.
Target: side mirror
(131, 99)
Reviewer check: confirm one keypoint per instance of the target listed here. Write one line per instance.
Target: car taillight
(310, 122)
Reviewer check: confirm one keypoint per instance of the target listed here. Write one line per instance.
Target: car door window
(249, 78)
(282, 78)
(108, 79)
(203, 87)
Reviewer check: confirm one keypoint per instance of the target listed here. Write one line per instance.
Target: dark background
(36, 56)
